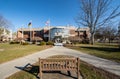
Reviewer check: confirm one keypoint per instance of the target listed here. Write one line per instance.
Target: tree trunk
(119, 42)
(92, 39)
(109, 41)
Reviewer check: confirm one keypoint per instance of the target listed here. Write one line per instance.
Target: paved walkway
(9, 68)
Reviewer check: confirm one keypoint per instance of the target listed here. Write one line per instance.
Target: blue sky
(20, 12)
(60, 12)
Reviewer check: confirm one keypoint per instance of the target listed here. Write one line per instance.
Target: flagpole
(22, 32)
(30, 34)
(48, 25)
(29, 25)
(11, 35)
(49, 29)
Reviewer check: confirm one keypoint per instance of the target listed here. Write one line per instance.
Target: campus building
(6, 35)
(56, 34)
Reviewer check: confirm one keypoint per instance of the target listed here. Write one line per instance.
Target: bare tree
(99, 34)
(96, 13)
(110, 33)
(119, 29)
(4, 24)
(104, 33)
(118, 35)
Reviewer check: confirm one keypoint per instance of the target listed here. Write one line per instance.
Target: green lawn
(107, 51)
(13, 51)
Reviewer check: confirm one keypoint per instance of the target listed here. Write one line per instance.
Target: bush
(42, 43)
(25, 43)
(75, 42)
(11, 42)
(49, 43)
(67, 42)
(14, 42)
(85, 41)
(33, 42)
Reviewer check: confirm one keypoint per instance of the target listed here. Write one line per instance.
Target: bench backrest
(58, 64)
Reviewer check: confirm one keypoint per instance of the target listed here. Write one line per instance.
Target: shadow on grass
(106, 49)
(34, 70)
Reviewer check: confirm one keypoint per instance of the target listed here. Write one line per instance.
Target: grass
(28, 73)
(88, 72)
(12, 51)
(22, 75)
(107, 51)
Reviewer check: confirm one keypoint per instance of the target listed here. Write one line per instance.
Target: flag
(47, 22)
(29, 24)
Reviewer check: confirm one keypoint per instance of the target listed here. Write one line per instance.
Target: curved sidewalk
(9, 68)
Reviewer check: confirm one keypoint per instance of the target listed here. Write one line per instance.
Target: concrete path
(9, 68)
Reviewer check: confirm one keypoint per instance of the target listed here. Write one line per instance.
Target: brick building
(56, 34)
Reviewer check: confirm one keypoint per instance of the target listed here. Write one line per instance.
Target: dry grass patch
(107, 51)
(13, 51)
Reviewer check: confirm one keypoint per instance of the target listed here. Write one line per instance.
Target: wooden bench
(58, 64)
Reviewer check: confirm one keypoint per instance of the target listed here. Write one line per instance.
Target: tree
(4, 24)
(96, 13)
(119, 29)
(3, 21)
(99, 34)
(119, 34)
(110, 33)
(104, 33)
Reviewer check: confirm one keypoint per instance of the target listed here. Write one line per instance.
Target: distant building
(6, 35)
(79, 35)
(61, 33)
(57, 34)
(83, 33)
(27, 34)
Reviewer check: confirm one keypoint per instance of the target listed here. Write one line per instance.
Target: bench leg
(78, 74)
(69, 73)
(78, 66)
(40, 74)
(40, 71)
